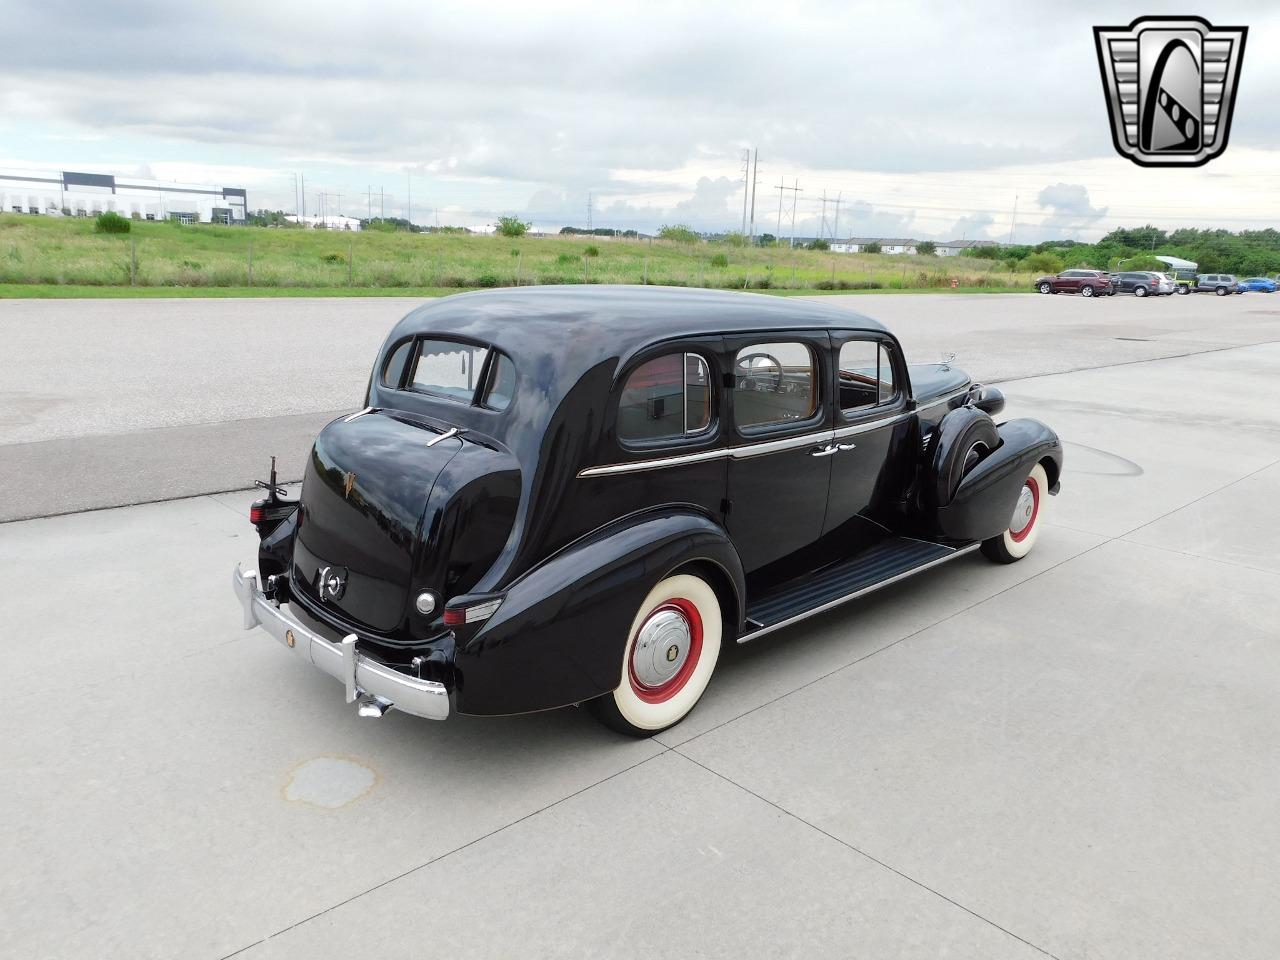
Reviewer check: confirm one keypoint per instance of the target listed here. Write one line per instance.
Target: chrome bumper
(376, 686)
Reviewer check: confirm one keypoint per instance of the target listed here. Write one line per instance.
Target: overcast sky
(928, 120)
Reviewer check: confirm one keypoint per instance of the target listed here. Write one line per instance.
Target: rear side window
(394, 369)
(774, 383)
(502, 383)
(666, 398)
(448, 369)
(866, 375)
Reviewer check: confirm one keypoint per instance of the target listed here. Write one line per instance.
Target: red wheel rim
(1035, 512)
(669, 688)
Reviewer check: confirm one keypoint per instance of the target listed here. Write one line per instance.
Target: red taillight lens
(455, 616)
(472, 612)
(256, 513)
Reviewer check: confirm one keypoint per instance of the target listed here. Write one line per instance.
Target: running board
(887, 562)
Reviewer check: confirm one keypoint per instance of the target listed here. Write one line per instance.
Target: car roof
(614, 320)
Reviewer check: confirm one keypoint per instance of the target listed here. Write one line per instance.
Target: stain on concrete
(330, 782)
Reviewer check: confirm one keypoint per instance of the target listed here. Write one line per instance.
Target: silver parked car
(1219, 283)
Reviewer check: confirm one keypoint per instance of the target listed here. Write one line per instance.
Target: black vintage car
(578, 495)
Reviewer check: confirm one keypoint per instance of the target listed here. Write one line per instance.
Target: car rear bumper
(375, 686)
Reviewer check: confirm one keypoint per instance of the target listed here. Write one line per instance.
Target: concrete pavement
(1072, 756)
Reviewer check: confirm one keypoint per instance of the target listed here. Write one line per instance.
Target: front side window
(448, 369)
(666, 398)
(774, 383)
(866, 375)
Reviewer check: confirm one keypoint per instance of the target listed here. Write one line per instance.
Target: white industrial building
(73, 194)
(330, 221)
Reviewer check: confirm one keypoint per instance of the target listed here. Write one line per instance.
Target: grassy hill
(42, 255)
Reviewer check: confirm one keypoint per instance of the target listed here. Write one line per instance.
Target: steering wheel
(748, 366)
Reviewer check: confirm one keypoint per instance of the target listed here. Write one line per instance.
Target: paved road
(1069, 757)
(190, 396)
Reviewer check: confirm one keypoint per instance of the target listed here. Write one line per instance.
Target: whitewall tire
(1024, 527)
(670, 655)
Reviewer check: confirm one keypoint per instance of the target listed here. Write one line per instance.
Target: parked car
(1167, 285)
(1185, 280)
(1141, 283)
(579, 495)
(1087, 283)
(1219, 283)
(1258, 285)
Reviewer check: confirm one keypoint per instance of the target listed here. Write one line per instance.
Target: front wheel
(1028, 515)
(1183, 290)
(1086, 291)
(1046, 288)
(1139, 291)
(669, 657)
(1222, 291)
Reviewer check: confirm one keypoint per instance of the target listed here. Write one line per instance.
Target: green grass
(64, 255)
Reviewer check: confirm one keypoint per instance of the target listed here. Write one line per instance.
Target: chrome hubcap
(1024, 511)
(661, 648)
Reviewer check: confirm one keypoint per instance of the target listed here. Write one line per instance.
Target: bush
(111, 222)
(766, 240)
(927, 248)
(678, 232)
(333, 258)
(566, 259)
(731, 239)
(761, 283)
(487, 280)
(719, 260)
(872, 247)
(511, 227)
(818, 244)
(1043, 262)
(591, 251)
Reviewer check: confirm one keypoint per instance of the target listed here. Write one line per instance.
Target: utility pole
(782, 185)
(303, 178)
(755, 179)
(408, 182)
(295, 194)
(795, 199)
(382, 200)
(1014, 222)
(822, 228)
(590, 225)
(835, 229)
(746, 186)
(368, 189)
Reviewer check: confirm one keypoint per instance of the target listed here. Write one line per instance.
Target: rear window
(448, 369)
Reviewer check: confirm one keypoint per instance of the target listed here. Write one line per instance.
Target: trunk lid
(366, 489)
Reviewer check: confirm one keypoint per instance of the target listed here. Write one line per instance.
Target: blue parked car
(1258, 285)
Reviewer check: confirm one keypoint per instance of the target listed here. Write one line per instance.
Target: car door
(869, 470)
(781, 444)
(1071, 281)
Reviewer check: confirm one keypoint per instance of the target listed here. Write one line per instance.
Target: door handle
(826, 451)
(846, 446)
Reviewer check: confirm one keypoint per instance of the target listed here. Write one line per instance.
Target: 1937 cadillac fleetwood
(579, 495)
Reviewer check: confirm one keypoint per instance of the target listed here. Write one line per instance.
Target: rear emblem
(332, 583)
(348, 483)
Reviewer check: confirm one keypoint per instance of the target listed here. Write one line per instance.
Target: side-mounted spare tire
(964, 437)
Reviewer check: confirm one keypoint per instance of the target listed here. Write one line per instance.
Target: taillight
(257, 512)
(456, 616)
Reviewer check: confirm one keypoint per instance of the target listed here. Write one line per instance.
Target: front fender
(988, 493)
(561, 631)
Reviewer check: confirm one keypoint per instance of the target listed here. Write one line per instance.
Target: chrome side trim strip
(640, 466)
(858, 593)
(736, 453)
(854, 429)
(947, 399)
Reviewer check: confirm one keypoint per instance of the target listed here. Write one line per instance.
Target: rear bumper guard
(375, 686)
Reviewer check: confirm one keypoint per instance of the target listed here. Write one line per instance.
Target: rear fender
(561, 630)
(984, 502)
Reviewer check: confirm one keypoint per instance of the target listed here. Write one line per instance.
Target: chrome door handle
(826, 451)
(846, 446)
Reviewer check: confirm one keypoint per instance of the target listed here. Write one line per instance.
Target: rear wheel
(1139, 291)
(1024, 527)
(669, 657)
(1086, 291)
